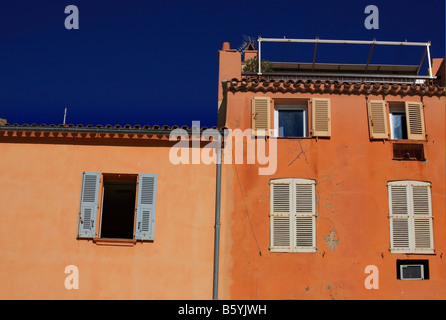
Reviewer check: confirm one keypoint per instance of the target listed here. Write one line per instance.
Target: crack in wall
(302, 152)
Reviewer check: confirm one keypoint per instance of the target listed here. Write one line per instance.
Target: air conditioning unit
(412, 272)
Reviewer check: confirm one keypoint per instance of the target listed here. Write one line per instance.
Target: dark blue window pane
(399, 126)
(291, 123)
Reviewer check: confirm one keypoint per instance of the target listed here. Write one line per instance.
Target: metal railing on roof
(357, 42)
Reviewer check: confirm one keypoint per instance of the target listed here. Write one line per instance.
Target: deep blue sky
(155, 62)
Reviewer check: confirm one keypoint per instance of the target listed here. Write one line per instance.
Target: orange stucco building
(45, 196)
(357, 200)
(343, 198)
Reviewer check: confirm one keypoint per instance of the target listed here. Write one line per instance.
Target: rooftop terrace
(347, 72)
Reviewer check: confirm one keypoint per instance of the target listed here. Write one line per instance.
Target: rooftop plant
(252, 65)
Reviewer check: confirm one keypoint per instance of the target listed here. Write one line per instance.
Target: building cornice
(101, 132)
(333, 87)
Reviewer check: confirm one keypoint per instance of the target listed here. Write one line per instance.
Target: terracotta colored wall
(352, 227)
(40, 193)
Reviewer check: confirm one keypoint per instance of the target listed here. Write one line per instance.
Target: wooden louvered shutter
(261, 115)
(410, 217)
(422, 216)
(321, 117)
(145, 208)
(280, 216)
(377, 119)
(399, 217)
(88, 205)
(305, 216)
(415, 121)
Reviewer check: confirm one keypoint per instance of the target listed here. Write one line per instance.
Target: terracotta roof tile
(127, 127)
(318, 86)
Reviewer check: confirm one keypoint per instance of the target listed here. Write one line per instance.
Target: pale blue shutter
(145, 209)
(88, 205)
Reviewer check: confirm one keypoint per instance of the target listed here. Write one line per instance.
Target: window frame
(291, 107)
(400, 263)
(397, 110)
(112, 177)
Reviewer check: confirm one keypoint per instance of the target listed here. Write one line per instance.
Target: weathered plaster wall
(40, 194)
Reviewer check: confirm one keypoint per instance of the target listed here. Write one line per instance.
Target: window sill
(114, 242)
(288, 250)
(409, 159)
(293, 137)
(412, 252)
(411, 141)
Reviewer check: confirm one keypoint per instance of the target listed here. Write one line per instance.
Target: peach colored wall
(39, 197)
(352, 204)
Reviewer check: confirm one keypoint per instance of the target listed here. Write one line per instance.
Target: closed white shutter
(321, 117)
(410, 217)
(280, 216)
(422, 215)
(377, 114)
(399, 217)
(305, 216)
(292, 216)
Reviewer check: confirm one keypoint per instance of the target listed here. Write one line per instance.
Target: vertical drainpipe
(217, 220)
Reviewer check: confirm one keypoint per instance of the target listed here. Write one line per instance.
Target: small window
(408, 152)
(291, 120)
(412, 269)
(398, 121)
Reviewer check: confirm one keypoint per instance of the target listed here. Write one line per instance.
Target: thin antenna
(248, 42)
(65, 115)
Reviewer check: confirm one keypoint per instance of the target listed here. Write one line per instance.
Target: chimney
(438, 69)
(229, 66)
(3, 122)
(250, 53)
(226, 46)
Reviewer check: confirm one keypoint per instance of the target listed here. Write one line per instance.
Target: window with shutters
(405, 120)
(410, 215)
(302, 118)
(292, 215)
(117, 206)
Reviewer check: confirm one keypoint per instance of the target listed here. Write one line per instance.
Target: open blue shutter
(145, 210)
(88, 205)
